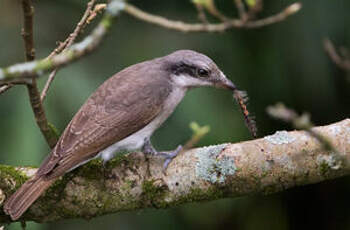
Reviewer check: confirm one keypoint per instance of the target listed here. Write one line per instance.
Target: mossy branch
(267, 165)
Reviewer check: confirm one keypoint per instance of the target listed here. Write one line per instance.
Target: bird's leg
(147, 147)
(168, 155)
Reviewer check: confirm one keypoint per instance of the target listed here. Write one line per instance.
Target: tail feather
(29, 192)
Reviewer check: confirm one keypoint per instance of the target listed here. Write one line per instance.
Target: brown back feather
(122, 105)
(116, 110)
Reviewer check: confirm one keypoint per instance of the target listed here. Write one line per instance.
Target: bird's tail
(20, 201)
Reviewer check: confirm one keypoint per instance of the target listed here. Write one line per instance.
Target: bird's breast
(137, 139)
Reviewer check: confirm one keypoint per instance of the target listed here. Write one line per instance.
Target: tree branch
(340, 61)
(33, 91)
(67, 43)
(30, 69)
(241, 10)
(202, 27)
(27, 30)
(73, 53)
(201, 14)
(211, 8)
(267, 165)
(4, 88)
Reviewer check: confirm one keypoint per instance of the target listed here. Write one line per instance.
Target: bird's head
(192, 69)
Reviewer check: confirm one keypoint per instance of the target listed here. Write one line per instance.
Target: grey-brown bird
(121, 114)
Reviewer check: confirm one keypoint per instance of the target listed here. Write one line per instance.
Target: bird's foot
(168, 155)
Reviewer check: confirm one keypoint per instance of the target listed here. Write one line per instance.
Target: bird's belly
(133, 142)
(136, 140)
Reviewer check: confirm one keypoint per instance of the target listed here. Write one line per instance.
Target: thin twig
(73, 53)
(4, 88)
(218, 27)
(241, 10)
(198, 133)
(47, 85)
(97, 9)
(211, 7)
(254, 8)
(22, 71)
(342, 62)
(280, 111)
(17, 81)
(27, 30)
(201, 13)
(67, 43)
(33, 91)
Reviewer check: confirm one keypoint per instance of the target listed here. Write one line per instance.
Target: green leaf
(201, 2)
(198, 130)
(251, 3)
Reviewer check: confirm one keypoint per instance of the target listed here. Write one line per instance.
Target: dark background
(284, 62)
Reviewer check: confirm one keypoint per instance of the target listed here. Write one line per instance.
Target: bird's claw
(169, 156)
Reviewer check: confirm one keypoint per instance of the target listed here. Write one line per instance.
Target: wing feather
(124, 104)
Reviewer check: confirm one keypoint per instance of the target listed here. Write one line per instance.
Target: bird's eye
(202, 73)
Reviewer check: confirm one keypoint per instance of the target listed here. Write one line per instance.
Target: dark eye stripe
(183, 68)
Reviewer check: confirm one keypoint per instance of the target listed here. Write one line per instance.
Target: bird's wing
(117, 109)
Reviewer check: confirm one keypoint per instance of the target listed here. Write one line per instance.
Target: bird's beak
(225, 83)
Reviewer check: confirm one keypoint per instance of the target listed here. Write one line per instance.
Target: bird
(122, 114)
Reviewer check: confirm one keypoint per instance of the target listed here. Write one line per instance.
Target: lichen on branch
(267, 165)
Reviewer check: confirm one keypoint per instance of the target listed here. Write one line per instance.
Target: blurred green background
(283, 62)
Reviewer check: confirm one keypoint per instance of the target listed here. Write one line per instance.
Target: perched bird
(122, 114)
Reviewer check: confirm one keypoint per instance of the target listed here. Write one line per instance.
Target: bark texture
(129, 182)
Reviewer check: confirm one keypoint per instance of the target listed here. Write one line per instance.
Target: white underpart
(136, 140)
